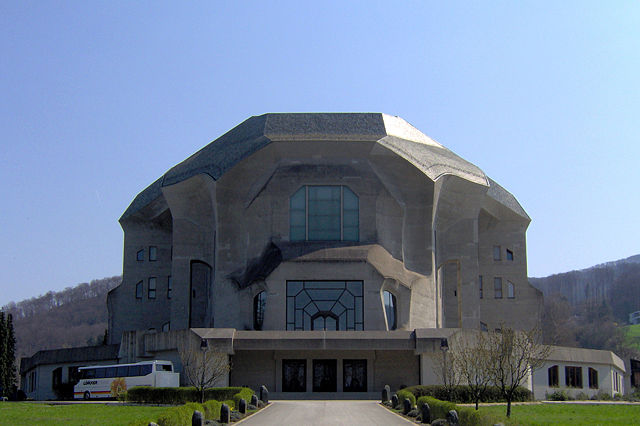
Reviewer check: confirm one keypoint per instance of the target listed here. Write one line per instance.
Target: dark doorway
(199, 294)
(294, 375)
(325, 372)
(354, 375)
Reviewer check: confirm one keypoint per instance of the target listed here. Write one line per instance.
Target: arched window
(258, 310)
(324, 213)
(390, 310)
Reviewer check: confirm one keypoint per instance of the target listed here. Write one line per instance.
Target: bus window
(134, 370)
(111, 372)
(163, 367)
(145, 369)
(89, 373)
(100, 373)
(122, 371)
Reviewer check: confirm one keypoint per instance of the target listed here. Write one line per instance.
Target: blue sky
(98, 99)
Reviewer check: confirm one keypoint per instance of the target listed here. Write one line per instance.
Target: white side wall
(606, 379)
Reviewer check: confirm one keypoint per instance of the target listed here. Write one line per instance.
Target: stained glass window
(324, 305)
(258, 310)
(390, 309)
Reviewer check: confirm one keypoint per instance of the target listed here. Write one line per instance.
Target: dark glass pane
(321, 285)
(324, 305)
(355, 287)
(390, 309)
(293, 287)
(354, 374)
(347, 300)
(325, 294)
(145, 369)
(122, 371)
(294, 375)
(100, 373)
(298, 216)
(134, 370)
(311, 309)
(330, 323)
(111, 372)
(258, 310)
(318, 323)
(325, 373)
(350, 216)
(324, 213)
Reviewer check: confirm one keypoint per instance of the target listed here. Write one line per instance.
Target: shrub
(462, 394)
(581, 396)
(183, 395)
(603, 396)
(212, 409)
(403, 394)
(439, 409)
(178, 416)
(559, 395)
(244, 393)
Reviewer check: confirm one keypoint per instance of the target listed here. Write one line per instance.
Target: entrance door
(354, 375)
(325, 375)
(294, 375)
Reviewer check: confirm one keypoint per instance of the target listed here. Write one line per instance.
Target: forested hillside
(75, 316)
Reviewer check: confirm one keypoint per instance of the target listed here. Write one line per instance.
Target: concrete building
(322, 253)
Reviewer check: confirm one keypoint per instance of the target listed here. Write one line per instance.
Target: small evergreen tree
(10, 357)
(3, 354)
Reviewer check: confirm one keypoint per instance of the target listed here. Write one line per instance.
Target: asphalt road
(325, 413)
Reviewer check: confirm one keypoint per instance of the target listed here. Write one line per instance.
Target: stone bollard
(242, 406)
(452, 417)
(254, 400)
(152, 424)
(406, 406)
(197, 419)
(264, 394)
(394, 401)
(426, 413)
(225, 414)
(386, 392)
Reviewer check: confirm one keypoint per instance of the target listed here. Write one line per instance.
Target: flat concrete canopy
(325, 413)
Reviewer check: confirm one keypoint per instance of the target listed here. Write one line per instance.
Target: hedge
(187, 394)
(468, 416)
(403, 394)
(462, 394)
(179, 416)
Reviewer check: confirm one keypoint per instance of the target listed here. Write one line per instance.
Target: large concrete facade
(428, 224)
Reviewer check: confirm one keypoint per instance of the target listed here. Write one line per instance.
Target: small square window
(497, 253)
(152, 288)
(166, 326)
(153, 253)
(139, 290)
(169, 286)
(140, 255)
(483, 326)
(497, 287)
(511, 291)
(509, 255)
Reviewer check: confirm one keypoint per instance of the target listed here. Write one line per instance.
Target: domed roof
(391, 132)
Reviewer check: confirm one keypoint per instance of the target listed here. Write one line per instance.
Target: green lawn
(26, 413)
(569, 414)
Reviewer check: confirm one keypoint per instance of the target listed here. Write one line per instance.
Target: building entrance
(325, 372)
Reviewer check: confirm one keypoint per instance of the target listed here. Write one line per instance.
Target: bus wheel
(87, 396)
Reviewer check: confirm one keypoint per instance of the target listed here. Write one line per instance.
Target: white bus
(95, 381)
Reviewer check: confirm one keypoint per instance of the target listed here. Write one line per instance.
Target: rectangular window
(616, 385)
(509, 255)
(480, 286)
(497, 288)
(511, 291)
(553, 376)
(324, 213)
(169, 286)
(573, 376)
(294, 375)
(152, 288)
(153, 253)
(593, 378)
(140, 255)
(497, 253)
(166, 326)
(139, 290)
(483, 326)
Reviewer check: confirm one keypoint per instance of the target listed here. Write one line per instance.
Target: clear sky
(99, 98)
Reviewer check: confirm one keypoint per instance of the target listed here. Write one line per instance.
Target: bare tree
(203, 367)
(471, 354)
(514, 356)
(445, 367)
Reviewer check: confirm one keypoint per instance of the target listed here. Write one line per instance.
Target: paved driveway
(325, 413)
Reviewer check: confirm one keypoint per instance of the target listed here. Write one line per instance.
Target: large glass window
(294, 375)
(593, 378)
(324, 213)
(390, 309)
(324, 305)
(354, 375)
(573, 376)
(258, 310)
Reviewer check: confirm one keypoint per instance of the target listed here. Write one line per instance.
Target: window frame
(497, 253)
(511, 290)
(573, 376)
(152, 289)
(394, 304)
(342, 208)
(259, 305)
(553, 376)
(153, 253)
(139, 289)
(497, 290)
